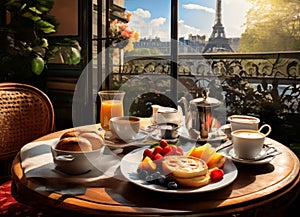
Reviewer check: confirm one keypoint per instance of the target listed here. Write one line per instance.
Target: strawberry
(163, 143)
(216, 175)
(179, 150)
(167, 150)
(158, 158)
(157, 150)
(148, 153)
(173, 150)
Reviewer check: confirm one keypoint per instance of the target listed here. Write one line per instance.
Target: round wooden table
(258, 190)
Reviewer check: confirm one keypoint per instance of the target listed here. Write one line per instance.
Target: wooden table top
(256, 190)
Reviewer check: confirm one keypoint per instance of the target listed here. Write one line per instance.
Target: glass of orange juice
(111, 106)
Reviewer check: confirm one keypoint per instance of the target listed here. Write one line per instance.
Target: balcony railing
(262, 84)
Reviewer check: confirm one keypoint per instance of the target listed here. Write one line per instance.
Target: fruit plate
(130, 162)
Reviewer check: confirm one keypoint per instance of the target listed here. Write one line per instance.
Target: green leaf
(27, 15)
(23, 7)
(35, 10)
(45, 26)
(44, 9)
(35, 18)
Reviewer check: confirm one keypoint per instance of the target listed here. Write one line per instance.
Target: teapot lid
(206, 102)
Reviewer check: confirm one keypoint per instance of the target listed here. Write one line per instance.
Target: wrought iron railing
(262, 84)
(267, 73)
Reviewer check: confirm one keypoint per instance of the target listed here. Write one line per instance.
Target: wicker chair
(26, 113)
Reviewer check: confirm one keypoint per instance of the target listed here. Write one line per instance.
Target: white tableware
(226, 129)
(166, 115)
(139, 140)
(156, 136)
(212, 137)
(75, 162)
(125, 128)
(240, 122)
(130, 162)
(262, 159)
(247, 144)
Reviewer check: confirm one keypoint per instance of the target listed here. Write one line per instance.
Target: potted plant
(24, 48)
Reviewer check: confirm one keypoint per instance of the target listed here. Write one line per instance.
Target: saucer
(156, 135)
(212, 138)
(229, 152)
(139, 140)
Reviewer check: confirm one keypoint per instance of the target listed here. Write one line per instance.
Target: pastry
(184, 166)
(94, 138)
(195, 182)
(74, 144)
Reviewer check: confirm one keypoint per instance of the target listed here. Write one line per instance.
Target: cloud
(147, 26)
(185, 30)
(198, 7)
(139, 20)
(157, 22)
(141, 13)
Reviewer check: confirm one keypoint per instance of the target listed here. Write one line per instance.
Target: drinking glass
(111, 106)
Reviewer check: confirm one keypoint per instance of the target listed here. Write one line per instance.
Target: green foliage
(24, 49)
(143, 52)
(272, 25)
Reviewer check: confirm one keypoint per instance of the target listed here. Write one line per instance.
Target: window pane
(246, 25)
(152, 20)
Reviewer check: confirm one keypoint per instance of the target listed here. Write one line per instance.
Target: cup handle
(268, 126)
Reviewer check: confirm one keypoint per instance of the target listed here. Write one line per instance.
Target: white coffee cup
(240, 122)
(168, 115)
(247, 144)
(125, 128)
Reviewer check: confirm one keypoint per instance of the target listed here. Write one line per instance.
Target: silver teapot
(199, 115)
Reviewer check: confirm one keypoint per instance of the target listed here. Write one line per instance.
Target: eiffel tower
(217, 41)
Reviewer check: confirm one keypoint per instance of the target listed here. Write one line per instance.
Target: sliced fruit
(205, 152)
(208, 152)
(218, 160)
(147, 164)
(196, 151)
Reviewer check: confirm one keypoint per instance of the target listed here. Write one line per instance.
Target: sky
(152, 17)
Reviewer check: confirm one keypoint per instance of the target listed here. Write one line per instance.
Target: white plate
(230, 154)
(130, 162)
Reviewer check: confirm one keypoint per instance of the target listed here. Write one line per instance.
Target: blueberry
(142, 174)
(168, 179)
(150, 179)
(161, 181)
(156, 175)
(172, 185)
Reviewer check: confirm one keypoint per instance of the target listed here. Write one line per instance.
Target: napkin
(37, 162)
